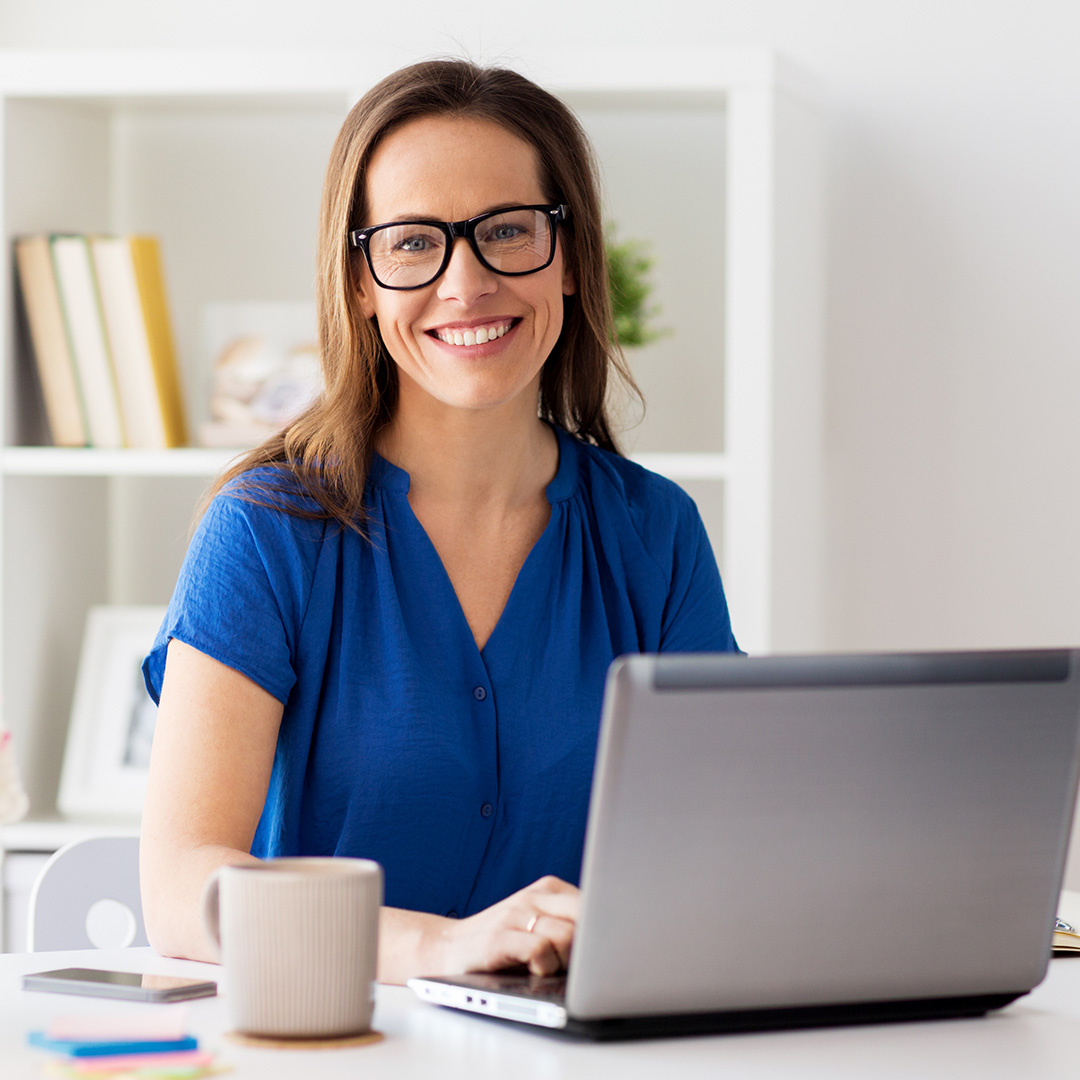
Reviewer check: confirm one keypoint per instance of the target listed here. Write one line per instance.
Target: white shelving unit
(222, 156)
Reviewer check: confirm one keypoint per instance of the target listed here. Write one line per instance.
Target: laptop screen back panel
(794, 832)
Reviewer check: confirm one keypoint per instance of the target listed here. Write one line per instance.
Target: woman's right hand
(533, 927)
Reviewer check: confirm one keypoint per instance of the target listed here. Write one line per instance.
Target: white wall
(953, 387)
(953, 347)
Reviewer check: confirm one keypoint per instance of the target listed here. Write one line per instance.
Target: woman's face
(447, 168)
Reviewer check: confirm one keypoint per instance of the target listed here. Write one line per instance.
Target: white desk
(1036, 1038)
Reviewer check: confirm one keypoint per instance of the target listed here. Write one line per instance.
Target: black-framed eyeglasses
(411, 254)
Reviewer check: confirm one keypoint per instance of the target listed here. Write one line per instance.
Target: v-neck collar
(390, 477)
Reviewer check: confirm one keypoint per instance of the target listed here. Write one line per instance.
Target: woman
(390, 635)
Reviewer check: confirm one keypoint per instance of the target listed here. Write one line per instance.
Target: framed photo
(112, 716)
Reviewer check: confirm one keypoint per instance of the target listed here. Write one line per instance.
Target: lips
(473, 335)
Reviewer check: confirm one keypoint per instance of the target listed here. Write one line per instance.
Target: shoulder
(610, 481)
(272, 488)
(263, 518)
(633, 507)
(650, 526)
(267, 498)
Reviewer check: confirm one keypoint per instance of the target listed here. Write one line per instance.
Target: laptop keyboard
(550, 988)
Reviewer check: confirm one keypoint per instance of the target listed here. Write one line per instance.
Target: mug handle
(211, 910)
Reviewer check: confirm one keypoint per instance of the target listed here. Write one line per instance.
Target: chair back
(87, 897)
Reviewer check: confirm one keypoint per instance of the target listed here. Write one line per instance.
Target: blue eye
(414, 245)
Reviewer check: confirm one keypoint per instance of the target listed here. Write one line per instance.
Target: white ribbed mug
(299, 940)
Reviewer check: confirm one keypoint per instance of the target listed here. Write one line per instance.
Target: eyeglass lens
(409, 254)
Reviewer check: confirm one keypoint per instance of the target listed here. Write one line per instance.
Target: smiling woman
(390, 635)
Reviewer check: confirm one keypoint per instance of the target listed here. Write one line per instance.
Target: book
(48, 336)
(146, 255)
(143, 423)
(137, 322)
(87, 341)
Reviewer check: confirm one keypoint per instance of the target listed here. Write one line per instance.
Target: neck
(498, 458)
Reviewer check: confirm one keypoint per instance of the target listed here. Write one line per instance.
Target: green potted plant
(629, 263)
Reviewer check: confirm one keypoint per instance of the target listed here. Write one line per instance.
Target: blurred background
(952, 381)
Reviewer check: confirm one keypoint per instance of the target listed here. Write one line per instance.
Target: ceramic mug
(299, 941)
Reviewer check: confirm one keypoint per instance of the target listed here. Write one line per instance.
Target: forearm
(172, 887)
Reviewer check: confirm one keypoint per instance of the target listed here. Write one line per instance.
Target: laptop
(789, 841)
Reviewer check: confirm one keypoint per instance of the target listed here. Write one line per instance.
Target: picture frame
(107, 754)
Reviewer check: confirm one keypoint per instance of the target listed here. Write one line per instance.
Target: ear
(365, 287)
(363, 294)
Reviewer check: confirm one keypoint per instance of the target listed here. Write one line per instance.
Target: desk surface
(1037, 1037)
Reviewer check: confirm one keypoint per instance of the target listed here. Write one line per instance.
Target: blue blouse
(466, 773)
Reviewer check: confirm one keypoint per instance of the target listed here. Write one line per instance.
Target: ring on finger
(530, 926)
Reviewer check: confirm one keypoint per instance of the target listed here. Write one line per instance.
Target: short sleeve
(696, 617)
(241, 593)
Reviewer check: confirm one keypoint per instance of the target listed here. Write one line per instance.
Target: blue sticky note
(90, 1048)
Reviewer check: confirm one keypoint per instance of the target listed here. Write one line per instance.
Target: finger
(537, 953)
(559, 933)
(564, 904)
(549, 883)
(558, 906)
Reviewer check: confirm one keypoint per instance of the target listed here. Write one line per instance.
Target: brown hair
(328, 449)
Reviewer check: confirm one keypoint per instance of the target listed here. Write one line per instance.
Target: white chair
(87, 897)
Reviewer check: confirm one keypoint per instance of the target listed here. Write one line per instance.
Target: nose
(465, 278)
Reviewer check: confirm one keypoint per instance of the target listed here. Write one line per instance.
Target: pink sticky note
(139, 1026)
(130, 1062)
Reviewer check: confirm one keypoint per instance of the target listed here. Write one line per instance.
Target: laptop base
(539, 1002)
(874, 1012)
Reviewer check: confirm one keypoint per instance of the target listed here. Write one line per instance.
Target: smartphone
(129, 985)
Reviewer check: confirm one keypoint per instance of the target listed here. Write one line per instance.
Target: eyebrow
(404, 218)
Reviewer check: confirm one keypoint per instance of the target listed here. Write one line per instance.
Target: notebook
(789, 841)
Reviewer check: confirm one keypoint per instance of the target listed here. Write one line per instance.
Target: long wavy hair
(328, 449)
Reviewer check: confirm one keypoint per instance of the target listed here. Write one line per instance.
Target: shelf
(51, 834)
(136, 76)
(277, 76)
(686, 466)
(63, 461)
(195, 462)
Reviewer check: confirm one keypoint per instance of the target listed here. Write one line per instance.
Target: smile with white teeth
(481, 335)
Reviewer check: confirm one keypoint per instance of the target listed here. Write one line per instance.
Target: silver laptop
(807, 840)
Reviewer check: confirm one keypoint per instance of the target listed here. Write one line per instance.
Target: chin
(484, 396)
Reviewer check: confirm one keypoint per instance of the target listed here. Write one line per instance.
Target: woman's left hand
(533, 927)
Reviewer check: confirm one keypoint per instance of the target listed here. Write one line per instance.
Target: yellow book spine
(146, 258)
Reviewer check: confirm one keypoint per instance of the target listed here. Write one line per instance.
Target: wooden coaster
(276, 1042)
